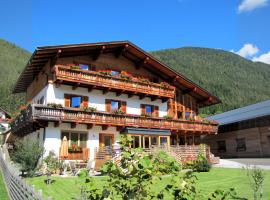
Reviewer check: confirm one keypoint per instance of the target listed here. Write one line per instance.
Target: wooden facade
(248, 138)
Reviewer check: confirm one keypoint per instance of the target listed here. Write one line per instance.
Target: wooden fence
(17, 188)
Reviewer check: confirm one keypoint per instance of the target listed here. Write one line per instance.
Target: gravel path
(263, 163)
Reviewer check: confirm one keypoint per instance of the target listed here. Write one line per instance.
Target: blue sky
(153, 24)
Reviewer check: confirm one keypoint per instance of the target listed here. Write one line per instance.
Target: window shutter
(84, 101)
(67, 100)
(142, 109)
(124, 106)
(108, 105)
(156, 113)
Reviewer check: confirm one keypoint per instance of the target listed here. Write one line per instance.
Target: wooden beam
(189, 90)
(142, 96)
(120, 92)
(73, 125)
(130, 95)
(56, 124)
(163, 100)
(105, 91)
(119, 128)
(153, 98)
(98, 53)
(91, 88)
(89, 126)
(54, 59)
(74, 87)
(206, 100)
(121, 51)
(141, 63)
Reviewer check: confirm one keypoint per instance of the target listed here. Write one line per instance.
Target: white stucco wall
(52, 140)
(97, 99)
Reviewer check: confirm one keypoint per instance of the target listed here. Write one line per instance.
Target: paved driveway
(263, 163)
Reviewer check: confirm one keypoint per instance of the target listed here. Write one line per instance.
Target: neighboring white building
(92, 93)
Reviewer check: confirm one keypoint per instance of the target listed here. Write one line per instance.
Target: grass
(3, 191)
(217, 178)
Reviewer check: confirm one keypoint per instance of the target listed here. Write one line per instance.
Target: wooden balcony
(41, 113)
(92, 79)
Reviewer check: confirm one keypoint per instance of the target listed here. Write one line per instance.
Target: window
(115, 73)
(221, 146)
(180, 114)
(75, 139)
(75, 101)
(149, 110)
(241, 144)
(187, 115)
(84, 67)
(163, 140)
(115, 105)
(41, 100)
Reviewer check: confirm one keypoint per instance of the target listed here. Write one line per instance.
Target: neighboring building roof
(43, 54)
(7, 114)
(245, 113)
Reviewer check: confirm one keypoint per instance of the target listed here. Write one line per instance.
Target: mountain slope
(235, 80)
(12, 62)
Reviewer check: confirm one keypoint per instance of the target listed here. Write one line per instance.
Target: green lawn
(217, 178)
(3, 191)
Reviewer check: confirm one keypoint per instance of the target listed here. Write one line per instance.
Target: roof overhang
(47, 53)
(143, 131)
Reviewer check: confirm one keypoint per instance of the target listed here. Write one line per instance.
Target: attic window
(84, 67)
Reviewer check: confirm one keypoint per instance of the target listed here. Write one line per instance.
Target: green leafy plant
(53, 164)
(145, 115)
(55, 105)
(27, 154)
(89, 109)
(75, 67)
(201, 164)
(118, 112)
(168, 117)
(256, 178)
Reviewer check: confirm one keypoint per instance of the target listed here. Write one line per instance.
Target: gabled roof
(245, 113)
(7, 114)
(43, 54)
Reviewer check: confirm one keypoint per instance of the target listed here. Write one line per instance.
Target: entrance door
(146, 142)
(106, 140)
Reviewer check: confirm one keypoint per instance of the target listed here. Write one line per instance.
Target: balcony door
(106, 140)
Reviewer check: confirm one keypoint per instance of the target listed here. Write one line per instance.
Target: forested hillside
(12, 61)
(235, 80)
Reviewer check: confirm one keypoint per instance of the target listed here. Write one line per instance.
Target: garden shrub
(201, 164)
(27, 154)
(53, 164)
(165, 164)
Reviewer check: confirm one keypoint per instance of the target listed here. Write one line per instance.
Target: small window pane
(76, 102)
(83, 140)
(148, 109)
(187, 114)
(136, 142)
(241, 144)
(163, 140)
(115, 73)
(74, 140)
(84, 67)
(154, 141)
(114, 105)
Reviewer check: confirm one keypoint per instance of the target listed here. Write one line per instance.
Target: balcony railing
(77, 116)
(99, 80)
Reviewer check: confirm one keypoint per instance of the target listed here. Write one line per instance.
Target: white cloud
(248, 50)
(265, 58)
(249, 5)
